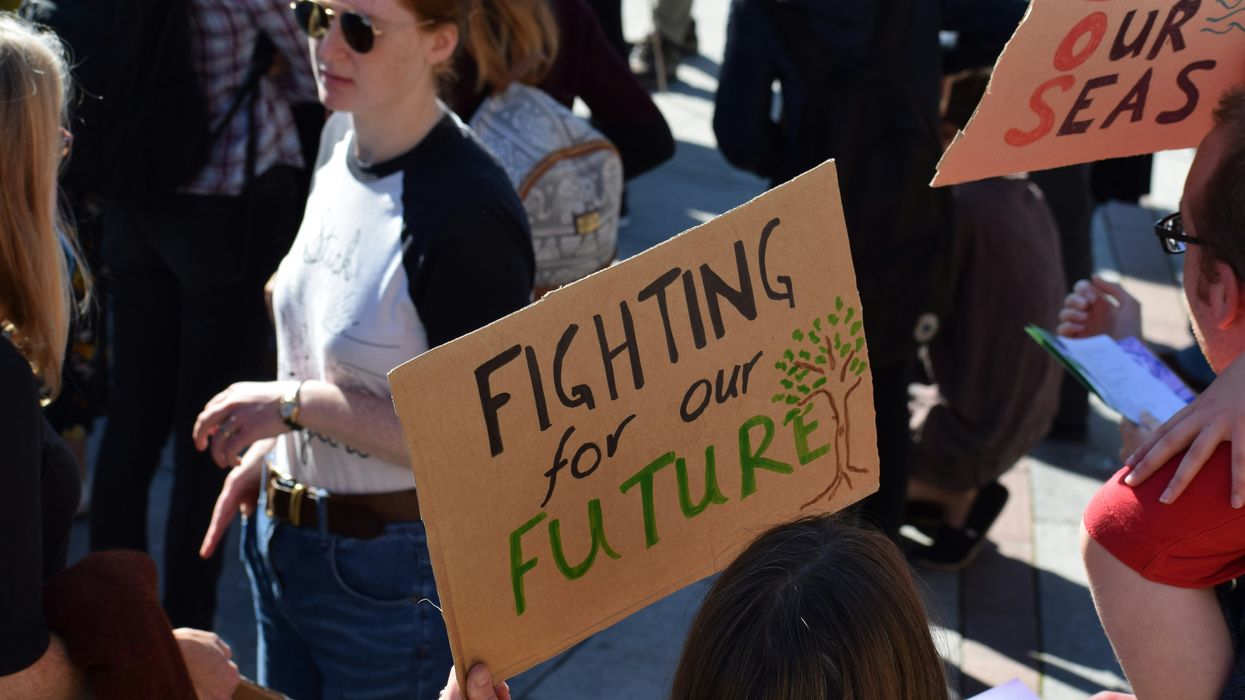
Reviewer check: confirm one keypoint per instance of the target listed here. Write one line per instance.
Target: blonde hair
(36, 297)
(511, 40)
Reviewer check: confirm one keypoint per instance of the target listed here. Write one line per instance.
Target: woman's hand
(207, 659)
(240, 493)
(1097, 307)
(479, 686)
(1215, 416)
(239, 416)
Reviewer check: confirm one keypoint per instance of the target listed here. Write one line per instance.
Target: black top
(458, 222)
(39, 492)
(393, 258)
(860, 83)
(588, 67)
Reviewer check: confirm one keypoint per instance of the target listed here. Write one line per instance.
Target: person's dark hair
(1220, 221)
(814, 609)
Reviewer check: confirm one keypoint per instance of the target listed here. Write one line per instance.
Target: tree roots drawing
(828, 366)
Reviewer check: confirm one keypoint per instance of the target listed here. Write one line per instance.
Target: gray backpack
(568, 175)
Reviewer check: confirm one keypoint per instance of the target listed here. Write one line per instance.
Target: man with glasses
(1155, 564)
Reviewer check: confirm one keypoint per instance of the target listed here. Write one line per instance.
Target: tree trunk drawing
(831, 369)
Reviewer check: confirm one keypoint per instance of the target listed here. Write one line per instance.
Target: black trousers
(188, 320)
(884, 509)
(1068, 193)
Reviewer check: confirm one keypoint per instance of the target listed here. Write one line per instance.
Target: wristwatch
(289, 408)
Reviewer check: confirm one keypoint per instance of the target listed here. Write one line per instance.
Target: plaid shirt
(224, 34)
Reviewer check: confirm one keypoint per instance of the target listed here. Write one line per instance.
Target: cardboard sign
(1084, 80)
(629, 434)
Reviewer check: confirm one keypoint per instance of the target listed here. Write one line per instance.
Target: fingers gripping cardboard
(631, 433)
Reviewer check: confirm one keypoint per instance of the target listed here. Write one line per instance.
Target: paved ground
(1021, 611)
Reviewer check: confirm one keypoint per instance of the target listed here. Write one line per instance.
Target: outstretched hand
(479, 686)
(1216, 416)
(1098, 307)
(238, 416)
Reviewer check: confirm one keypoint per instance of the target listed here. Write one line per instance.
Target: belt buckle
(297, 493)
(296, 501)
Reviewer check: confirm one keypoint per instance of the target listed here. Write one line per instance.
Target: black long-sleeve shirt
(861, 82)
(38, 496)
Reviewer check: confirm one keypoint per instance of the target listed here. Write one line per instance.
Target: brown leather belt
(361, 516)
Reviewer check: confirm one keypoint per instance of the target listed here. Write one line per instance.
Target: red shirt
(1196, 542)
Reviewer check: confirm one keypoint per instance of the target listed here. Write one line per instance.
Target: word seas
(1103, 100)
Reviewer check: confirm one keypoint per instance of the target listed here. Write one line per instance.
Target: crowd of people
(307, 207)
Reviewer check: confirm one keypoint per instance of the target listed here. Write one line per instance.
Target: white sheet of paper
(1119, 379)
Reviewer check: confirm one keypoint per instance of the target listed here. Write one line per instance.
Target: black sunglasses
(1170, 231)
(357, 29)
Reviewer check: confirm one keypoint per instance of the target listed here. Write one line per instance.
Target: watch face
(287, 409)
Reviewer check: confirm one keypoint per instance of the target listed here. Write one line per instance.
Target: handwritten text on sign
(629, 434)
(1084, 80)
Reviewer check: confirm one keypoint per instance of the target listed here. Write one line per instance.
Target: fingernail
(1130, 479)
(1238, 501)
(1166, 498)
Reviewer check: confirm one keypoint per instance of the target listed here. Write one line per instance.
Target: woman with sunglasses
(412, 236)
(39, 485)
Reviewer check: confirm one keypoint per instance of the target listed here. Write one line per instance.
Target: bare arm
(53, 677)
(247, 412)
(357, 418)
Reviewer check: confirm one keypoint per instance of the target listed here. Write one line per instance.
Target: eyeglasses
(66, 142)
(1170, 231)
(357, 29)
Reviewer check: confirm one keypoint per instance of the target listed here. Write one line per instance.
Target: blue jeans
(342, 618)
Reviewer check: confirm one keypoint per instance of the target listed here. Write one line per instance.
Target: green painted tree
(826, 361)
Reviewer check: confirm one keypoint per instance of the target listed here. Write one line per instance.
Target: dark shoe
(955, 548)
(691, 45)
(925, 516)
(644, 58)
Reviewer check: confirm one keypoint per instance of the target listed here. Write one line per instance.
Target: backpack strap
(261, 60)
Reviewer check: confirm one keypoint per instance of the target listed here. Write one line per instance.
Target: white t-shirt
(391, 259)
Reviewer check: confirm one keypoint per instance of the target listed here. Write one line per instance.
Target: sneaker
(691, 45)
(955, 548)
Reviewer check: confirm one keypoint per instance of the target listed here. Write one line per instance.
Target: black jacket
(860, 83)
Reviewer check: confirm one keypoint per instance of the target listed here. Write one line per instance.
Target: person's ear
(1227, 298)
(444, 42)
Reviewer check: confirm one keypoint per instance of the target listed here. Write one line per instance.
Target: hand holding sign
(1084, 80)
(630, 434)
